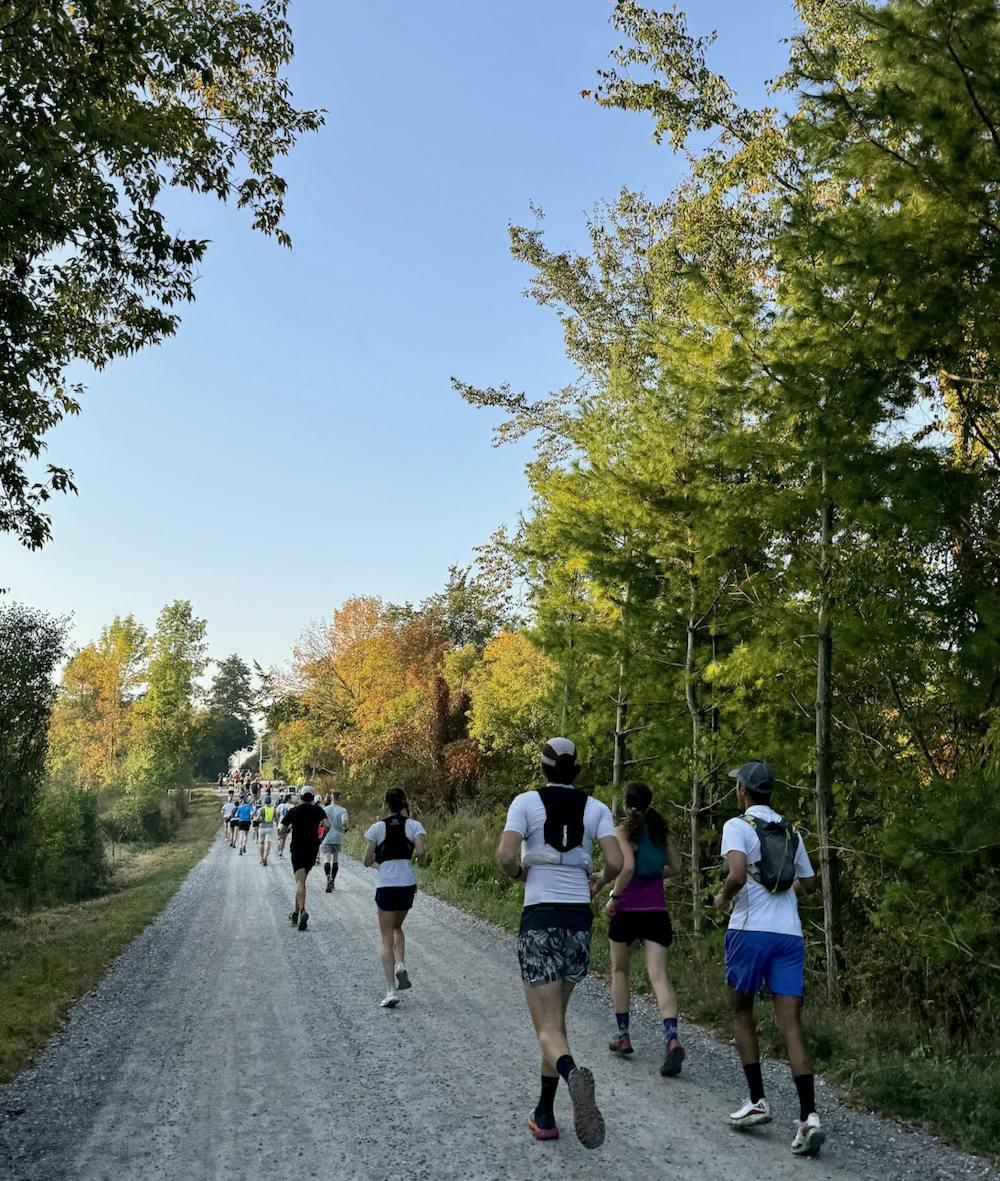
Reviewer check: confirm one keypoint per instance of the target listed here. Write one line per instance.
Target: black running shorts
(636, 926)
(395, 897)
(244, 825)
(304, 858)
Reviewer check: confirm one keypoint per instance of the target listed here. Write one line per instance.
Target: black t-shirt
(304, 821)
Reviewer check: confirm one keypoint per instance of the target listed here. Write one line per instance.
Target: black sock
(326, 868)
(564, 1065)
(806, 1088)
(755, 1080)
(547, 1098)
(333, 871)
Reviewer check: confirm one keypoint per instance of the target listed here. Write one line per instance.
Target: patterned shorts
(554, 944)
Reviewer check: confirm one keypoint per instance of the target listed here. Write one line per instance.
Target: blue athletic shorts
(756, 957)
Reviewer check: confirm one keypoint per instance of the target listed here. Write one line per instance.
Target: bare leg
(621, 962)
(300, 890)
(399, 939)
(788, 1015)
(547, 1006)
(747, 1043)
(663, 990)
(387, 930)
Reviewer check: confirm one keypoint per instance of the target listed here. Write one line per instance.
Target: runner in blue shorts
(768, 869)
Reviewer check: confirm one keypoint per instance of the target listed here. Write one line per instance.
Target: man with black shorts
(547, 843)
(244, 817)
(304, 822)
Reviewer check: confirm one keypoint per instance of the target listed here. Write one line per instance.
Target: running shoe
(621, 1045)
(673, 1056)
(752, 1113)
(543, 1127)
(402, 977)
(329, 886)
(303, 920)
(809, 1136)
(293, 918)
(390, 1000)
(588, 1123)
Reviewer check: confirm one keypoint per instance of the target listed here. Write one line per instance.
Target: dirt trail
(224, 1044)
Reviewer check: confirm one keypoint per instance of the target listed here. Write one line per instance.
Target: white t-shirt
(337, 815)
(228, 808)
(556, 883)
(755, 908)
(399, 872)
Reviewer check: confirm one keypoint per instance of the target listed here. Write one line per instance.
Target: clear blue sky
(298, 440)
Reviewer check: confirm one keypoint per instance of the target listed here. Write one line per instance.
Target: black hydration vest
(395, 845)
(564, 809)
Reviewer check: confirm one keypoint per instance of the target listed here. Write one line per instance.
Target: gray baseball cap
(306, 792)
(756, 775)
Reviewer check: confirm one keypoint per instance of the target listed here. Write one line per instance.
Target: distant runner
(228, 808)
(768, 869)
(393, 842)
(638, 913)
(265, 817)
(336, 813)
(559, 827)
(284, 807)
(305, 821)
(244, 816)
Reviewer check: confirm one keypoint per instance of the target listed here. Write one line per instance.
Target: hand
(612, 908)
(720, 903)
(596, 884)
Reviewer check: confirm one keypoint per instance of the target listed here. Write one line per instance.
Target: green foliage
(31, 646)
(107, 103)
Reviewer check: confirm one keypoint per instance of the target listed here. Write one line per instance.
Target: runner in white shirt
(768, 869)
(547, 841)
(393, 844)
(336, 813)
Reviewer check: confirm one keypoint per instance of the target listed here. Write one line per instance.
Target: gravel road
(225, 1044)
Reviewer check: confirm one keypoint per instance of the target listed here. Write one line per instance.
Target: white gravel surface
(225, 1044)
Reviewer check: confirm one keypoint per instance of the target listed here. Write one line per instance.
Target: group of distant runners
(548, 842)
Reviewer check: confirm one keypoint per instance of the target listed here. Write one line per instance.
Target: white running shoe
(402, 977)
(809, 1136)
(390, 1000)
(752, 1113)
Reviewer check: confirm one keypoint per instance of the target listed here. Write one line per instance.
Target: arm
(805, 885)
(673, 867)
(369, 858)
(613, 863)
(509, 854)
(420, 848)
(736, 860)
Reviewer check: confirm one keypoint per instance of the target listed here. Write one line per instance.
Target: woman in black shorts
(638, 913)
(393, 843)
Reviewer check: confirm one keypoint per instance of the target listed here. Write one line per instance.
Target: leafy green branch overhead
(105, 105)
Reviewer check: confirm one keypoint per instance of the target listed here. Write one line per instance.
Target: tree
(104, 105)
(226, 726)
(162, 756)
(31, 646)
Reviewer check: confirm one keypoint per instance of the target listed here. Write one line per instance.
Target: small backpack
(650, 858)
(564, 809)
(779, 842)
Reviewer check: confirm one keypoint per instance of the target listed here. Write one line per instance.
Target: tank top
(642, 893)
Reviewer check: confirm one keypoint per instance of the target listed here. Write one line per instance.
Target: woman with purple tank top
(637, 910)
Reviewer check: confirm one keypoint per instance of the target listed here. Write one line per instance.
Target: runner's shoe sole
(390, 1002)
(303, 920)
(751, 1121)
(672, 1061)
(403, 979)
(293, 918)
(543, 1133)
(588, 1123)
(619, 1050)
(811, 1145)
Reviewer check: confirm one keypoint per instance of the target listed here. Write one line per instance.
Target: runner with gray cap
(768, 870)
(547, 843)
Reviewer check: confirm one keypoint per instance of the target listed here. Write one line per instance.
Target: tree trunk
(824, 756)
(620, 736)
(697, 785)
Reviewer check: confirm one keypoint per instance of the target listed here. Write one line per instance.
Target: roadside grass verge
(51, 958)
(882, 1057)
